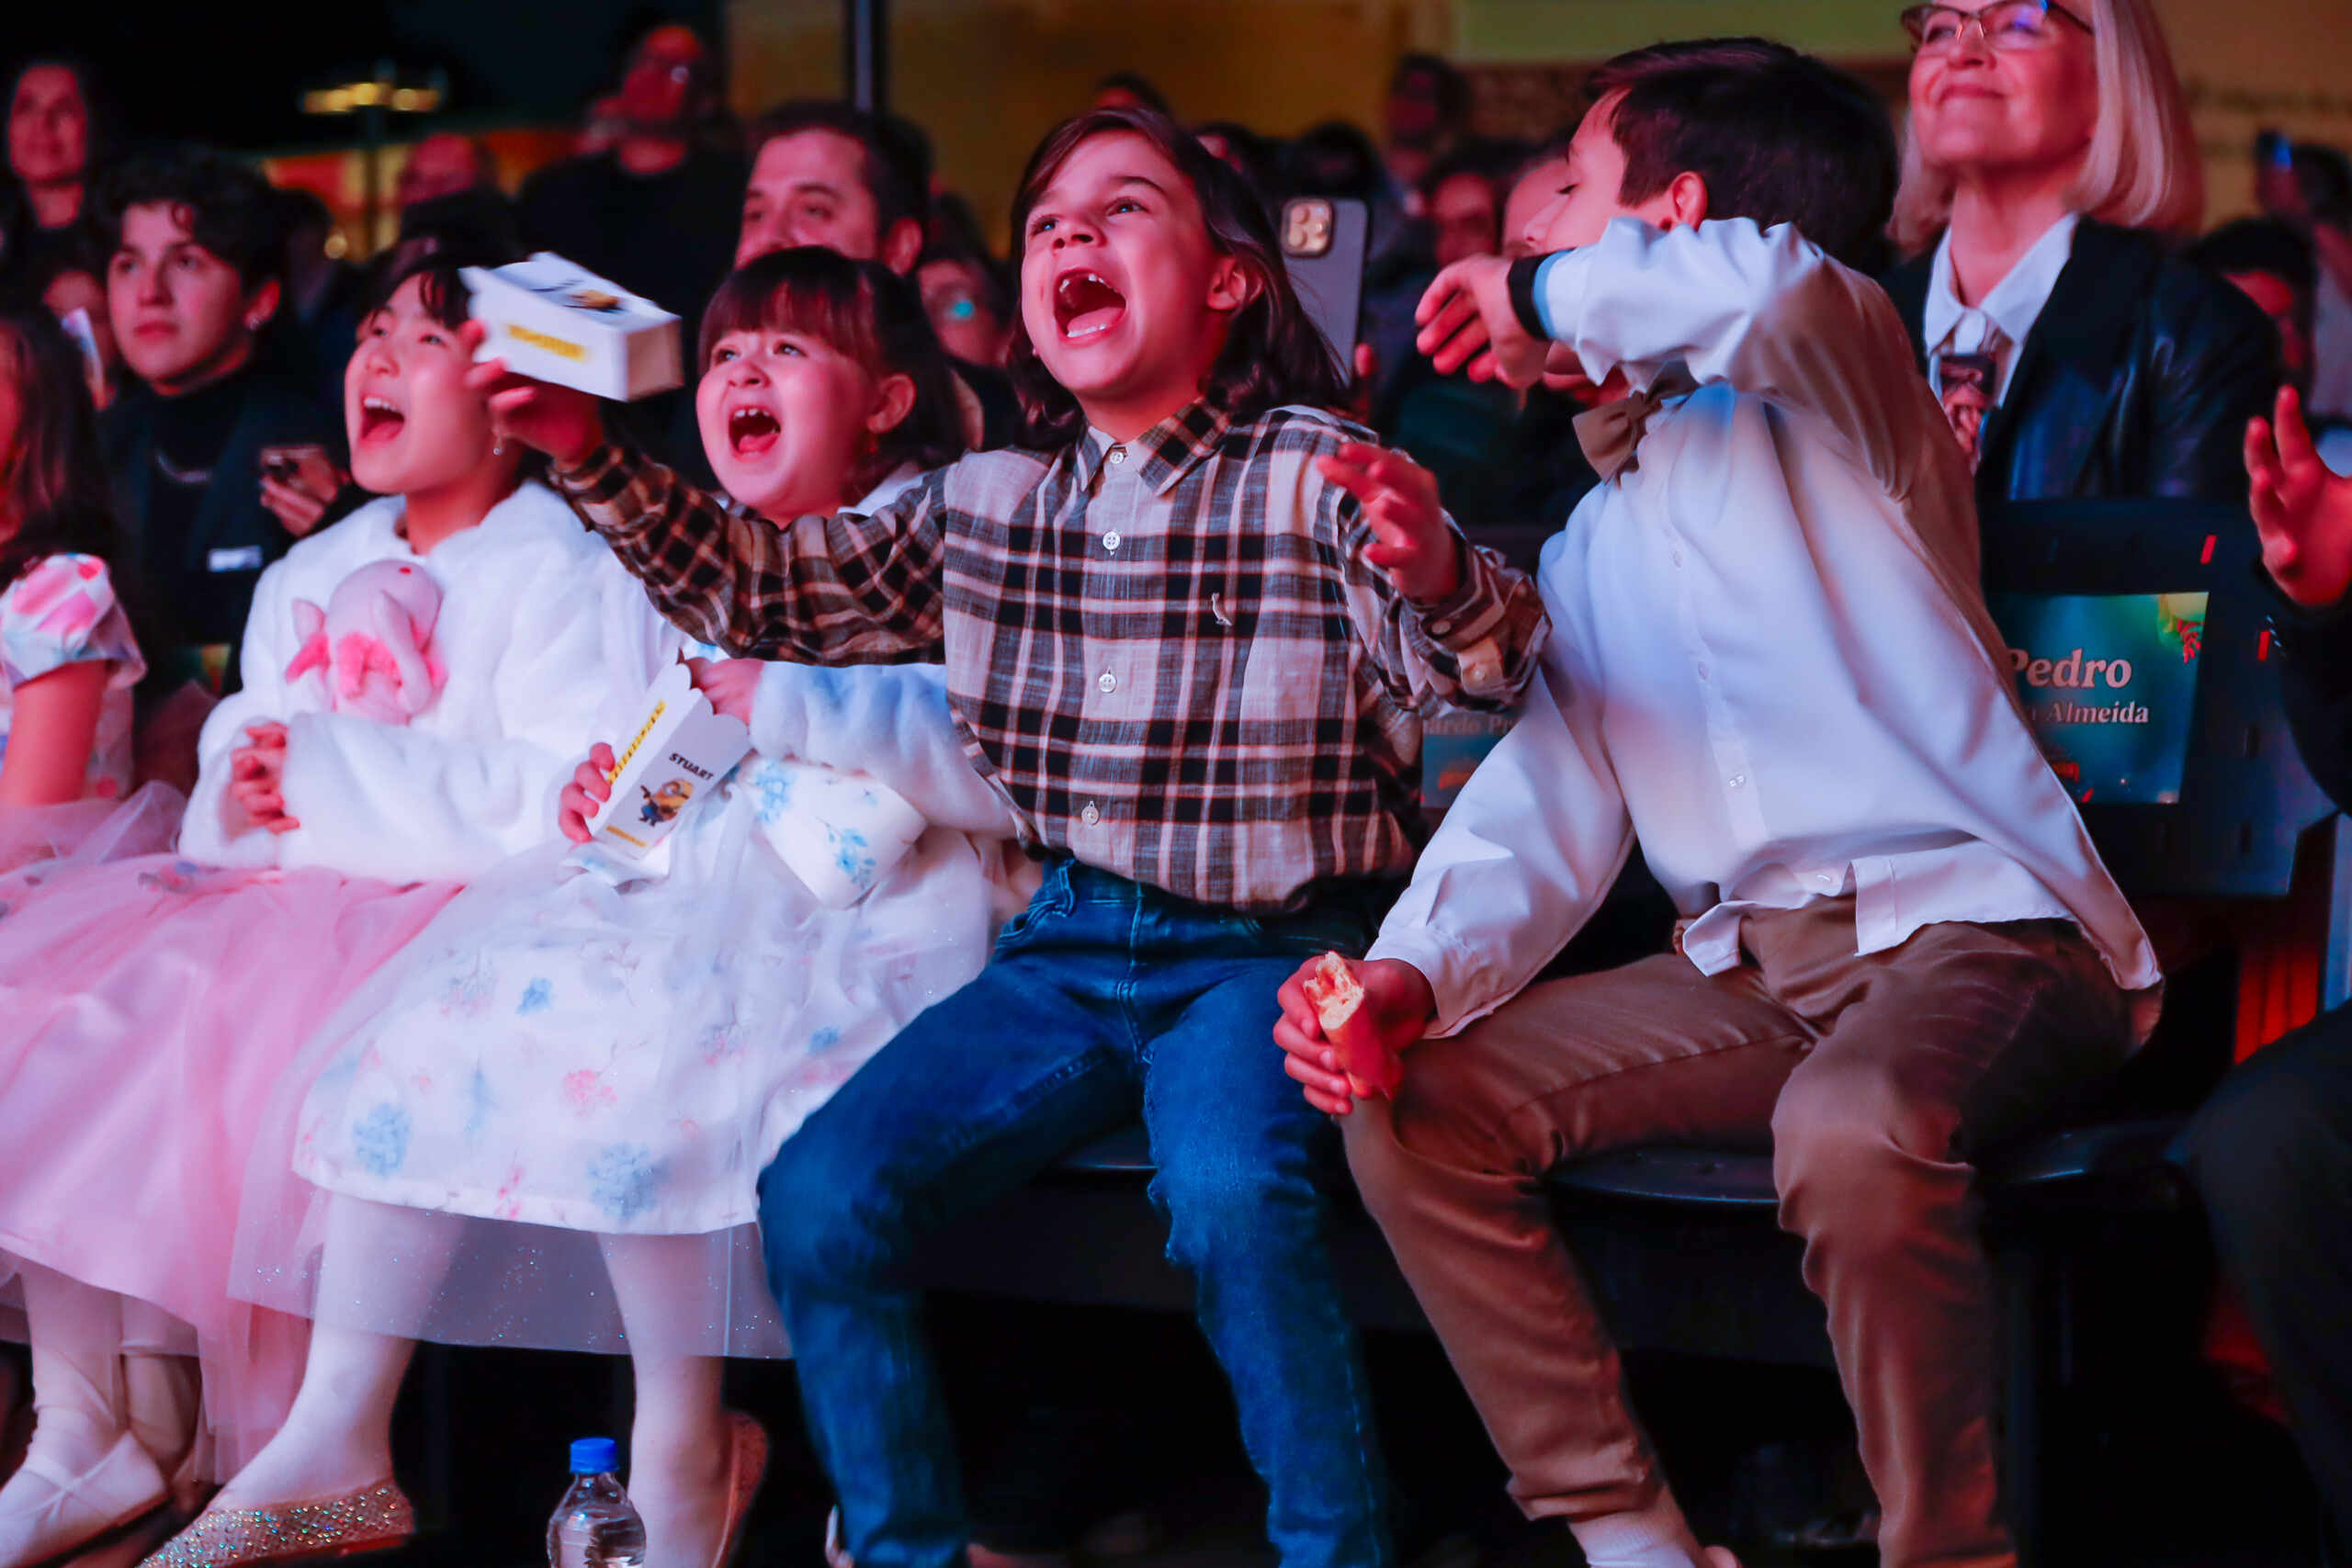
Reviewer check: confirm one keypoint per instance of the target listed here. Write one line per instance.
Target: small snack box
(554, 322)
(839, 832)
(674, 758)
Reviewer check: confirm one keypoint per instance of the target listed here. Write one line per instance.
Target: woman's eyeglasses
(2004, 25)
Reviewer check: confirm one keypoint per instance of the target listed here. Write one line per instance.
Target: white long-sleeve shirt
(546, 640)
(1770, 657)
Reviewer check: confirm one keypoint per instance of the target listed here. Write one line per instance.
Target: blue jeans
(1102, 999)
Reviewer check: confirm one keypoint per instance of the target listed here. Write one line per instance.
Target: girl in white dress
(543, 1123)
(150, 1004)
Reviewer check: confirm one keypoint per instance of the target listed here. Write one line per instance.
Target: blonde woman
(2049, 161)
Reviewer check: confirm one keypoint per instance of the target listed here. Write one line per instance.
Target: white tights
(162, 1395)
(114, 1415)
(337, 1437)
(76, 1334)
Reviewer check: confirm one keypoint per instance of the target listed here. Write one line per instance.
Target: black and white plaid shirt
(1168, 654)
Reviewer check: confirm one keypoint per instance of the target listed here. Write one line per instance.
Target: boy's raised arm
(840, 590)
(1761, 309)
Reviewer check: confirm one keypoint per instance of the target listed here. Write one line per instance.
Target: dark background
(232, 76)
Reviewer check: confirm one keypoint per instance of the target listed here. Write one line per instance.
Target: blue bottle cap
(594, 1456)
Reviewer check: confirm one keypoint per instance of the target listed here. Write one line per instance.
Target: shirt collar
(1168, 450)
(2014, 303)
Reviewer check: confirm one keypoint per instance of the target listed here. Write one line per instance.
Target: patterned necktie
(1967, 383)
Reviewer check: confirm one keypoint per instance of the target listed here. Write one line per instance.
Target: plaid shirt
(1168, 654)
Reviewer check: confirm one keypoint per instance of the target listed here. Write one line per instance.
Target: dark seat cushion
(2123, 1163)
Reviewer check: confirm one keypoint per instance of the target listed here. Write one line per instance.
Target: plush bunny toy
(374, 642)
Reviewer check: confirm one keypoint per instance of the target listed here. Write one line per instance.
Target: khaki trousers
(1873, 1077)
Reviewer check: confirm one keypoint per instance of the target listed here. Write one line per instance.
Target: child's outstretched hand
(2303, 510)
(1399, 1008)
(730, 683)
(1467, 318)
(257, 777)
(591, 786)
(559, 421)
(1411, 541)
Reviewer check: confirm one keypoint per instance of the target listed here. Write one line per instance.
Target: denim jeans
(1103, 998)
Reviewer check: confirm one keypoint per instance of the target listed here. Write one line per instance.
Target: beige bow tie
(1610, 433)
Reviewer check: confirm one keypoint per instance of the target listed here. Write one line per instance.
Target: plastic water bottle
(594, 1526)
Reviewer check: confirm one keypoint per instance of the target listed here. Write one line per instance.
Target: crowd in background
(667, 192)
(2083, 337)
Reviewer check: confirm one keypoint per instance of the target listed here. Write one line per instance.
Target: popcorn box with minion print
(557, 322)
(673, 758)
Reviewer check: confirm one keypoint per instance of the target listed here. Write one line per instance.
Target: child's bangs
(809, 292)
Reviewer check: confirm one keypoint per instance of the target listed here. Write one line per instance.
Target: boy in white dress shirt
(1770, 663)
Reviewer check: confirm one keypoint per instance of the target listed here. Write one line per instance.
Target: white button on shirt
(1768, 655)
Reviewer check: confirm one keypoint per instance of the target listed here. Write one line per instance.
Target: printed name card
(2109, 681)
(1453, 743)
(671, 760)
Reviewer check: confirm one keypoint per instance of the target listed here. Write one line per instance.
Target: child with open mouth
(542, 1122)
(1189, 638)
(153, 1003)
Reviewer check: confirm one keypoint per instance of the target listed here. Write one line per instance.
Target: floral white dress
(560, 1059)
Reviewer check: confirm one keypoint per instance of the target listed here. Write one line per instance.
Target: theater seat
(2125, 1164)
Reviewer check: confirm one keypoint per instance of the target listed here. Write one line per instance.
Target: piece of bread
(1336, 993)
(1338, 996)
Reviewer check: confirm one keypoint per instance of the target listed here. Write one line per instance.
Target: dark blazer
(2315, 675)
(2137, 379)
(204, 582)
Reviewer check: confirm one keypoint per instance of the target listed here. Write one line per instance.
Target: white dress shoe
(53, 1512)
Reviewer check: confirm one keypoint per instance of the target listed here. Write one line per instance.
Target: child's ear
(894, 399)
(901, 244)
(261, 304)
(1686, 201)
(1231, 286)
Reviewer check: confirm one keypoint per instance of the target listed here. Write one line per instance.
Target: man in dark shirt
(192, 280)
(655, 211)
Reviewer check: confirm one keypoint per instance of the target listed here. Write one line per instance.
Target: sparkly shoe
(375, 1518)
(747, 1467)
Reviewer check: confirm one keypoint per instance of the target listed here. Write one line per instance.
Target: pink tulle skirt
(148, 1008)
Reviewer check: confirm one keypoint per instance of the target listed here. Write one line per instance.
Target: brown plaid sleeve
(840, 590)
(1477, 650)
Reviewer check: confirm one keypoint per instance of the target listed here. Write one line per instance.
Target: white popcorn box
(673, 762)
(554, 322)
(839, 832)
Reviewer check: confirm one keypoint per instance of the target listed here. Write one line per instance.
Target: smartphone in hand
(1325, 241)
(304, 465)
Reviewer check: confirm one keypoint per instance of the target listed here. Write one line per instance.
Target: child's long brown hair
(1272, 353)
(870, 314)
(53, 483)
